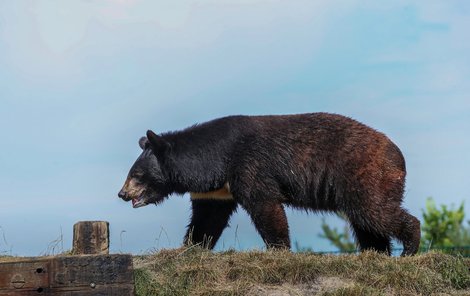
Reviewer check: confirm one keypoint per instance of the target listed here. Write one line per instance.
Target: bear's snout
(123, 194)
(132, 189)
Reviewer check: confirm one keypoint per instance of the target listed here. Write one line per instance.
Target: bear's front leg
(270, 220)
(209, 218)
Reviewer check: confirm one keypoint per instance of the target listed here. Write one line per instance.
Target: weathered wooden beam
(91, 237)
(68, 275)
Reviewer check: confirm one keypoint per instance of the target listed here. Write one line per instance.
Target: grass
(194, 271)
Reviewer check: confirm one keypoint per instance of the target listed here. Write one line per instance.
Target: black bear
(317, 161)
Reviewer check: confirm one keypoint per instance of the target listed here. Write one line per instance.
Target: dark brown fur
(319, 162)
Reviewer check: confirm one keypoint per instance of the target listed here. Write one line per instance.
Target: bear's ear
(143, 143)
(157, 143)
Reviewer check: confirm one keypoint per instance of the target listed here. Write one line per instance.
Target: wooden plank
(85, 270)
(68, 275)
(91, 237)
(23, 277)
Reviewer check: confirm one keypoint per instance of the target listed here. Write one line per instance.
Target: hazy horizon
(82, 81)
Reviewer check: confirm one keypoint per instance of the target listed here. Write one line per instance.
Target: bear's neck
(199, 156)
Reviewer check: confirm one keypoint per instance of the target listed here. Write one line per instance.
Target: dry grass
(7, 258)
(199, 272)
(195, 271)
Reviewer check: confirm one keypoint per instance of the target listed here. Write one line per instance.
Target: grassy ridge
(195, 271)
(198, 272)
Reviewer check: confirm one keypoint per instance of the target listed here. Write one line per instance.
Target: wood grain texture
(91, 237)
(68, 275)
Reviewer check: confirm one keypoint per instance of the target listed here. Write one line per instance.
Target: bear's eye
(137, 175)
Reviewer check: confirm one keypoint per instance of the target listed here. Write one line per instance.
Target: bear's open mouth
(147, 198)
(139, 201)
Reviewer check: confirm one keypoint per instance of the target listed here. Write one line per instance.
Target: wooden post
(91, 237)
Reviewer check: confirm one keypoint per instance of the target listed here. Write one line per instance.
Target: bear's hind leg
(368, 240)
(408, 232)
(208, 220)
(270, 220)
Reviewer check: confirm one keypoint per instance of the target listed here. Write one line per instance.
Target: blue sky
(81, 82)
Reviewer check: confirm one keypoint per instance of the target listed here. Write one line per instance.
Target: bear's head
(146, 183)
